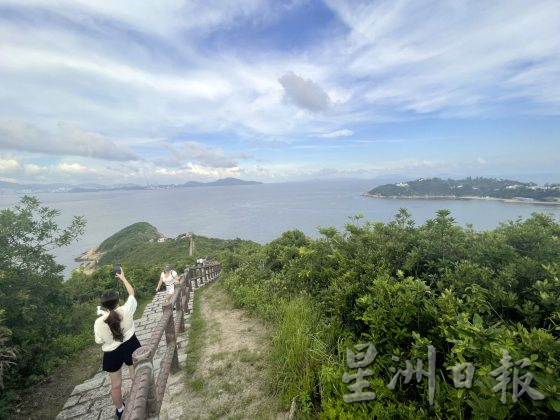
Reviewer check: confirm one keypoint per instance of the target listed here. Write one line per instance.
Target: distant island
(470, 188)
(34, 188)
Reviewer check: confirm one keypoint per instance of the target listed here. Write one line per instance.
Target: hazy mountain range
(31, 188)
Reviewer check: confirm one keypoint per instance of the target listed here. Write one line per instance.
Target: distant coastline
(505, 190)
(454, 197)
(66, 188)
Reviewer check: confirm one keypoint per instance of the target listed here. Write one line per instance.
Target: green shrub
(471, 295)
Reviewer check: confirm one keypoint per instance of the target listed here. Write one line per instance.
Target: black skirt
(113, 360)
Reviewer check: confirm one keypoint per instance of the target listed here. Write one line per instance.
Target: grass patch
(247, 356)
(218, 356)
(197, 332)
(219, 372)
(238, 417)
(248, 399)
(296, 352)
(231, 388)
(219, 412)
(197, 384)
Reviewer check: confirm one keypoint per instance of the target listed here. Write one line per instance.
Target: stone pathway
(91, 400)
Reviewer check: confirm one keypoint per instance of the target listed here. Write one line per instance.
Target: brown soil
(45, 399)
(231, 379)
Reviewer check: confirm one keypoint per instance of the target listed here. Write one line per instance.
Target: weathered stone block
(107, 413)
(87, 385)
(74, 411)
(92, 394)
(73, 400)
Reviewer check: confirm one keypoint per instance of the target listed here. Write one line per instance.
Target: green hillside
(142, 256)
(125, 241)
(469, 187)
(176, 251)
(138, 245)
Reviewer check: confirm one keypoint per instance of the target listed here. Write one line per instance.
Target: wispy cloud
(93, 83)
(66, 139)
(449, 57)
(338, 133)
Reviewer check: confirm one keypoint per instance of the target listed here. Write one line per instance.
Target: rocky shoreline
(88, 260)
(455, 197)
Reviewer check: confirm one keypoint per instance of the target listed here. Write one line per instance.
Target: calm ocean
(255, 212)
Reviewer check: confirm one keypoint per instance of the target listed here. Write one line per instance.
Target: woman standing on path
(115, 331)
(168, 276)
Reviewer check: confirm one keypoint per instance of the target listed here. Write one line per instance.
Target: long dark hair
(110, 300)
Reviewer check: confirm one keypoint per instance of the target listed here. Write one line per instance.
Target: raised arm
(127, 285)
(160, 281)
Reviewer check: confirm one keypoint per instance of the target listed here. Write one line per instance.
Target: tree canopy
(35, 309)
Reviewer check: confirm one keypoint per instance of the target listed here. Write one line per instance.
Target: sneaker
(119, 415)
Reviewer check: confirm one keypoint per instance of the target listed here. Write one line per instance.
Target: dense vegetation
(44, 320)
(35, 308)
(469, 187)
(403, 288)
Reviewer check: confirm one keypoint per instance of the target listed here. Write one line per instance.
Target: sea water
(259, 213)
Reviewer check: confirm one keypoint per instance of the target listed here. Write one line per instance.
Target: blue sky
(173, 91)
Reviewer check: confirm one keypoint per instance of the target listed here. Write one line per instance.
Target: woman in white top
(168, 276)
(114, 330)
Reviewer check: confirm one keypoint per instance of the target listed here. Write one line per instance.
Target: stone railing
(147, 393)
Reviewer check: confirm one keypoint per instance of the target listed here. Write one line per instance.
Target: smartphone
(117, 269)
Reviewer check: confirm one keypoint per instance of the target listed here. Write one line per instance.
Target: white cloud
(160, 17)
(338, 133)
(481, 161)
(74, 168)
(32, 169)
(8, 165)
(213, 173)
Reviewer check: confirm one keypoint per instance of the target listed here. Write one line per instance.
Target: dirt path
(229, 378)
